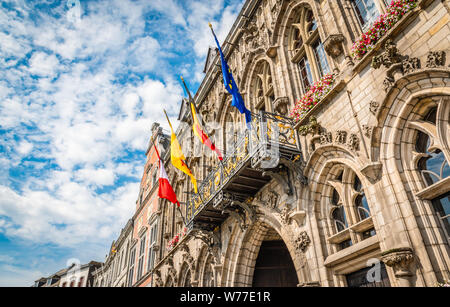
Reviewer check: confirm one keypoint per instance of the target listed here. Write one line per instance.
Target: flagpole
(251, 123)
(191, 100)
(167, 117)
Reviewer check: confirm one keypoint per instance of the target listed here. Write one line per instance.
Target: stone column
(400, 260)
(218, 275)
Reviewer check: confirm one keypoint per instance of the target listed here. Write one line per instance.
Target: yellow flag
(177, 158)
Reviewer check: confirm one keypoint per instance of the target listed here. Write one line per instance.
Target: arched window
(433, 165)
(208, 274)
(361, 201)
(432, 159)
(350, 216)
(339, 217)
(263, 93)
(306, 48)
(229, 135)
(186, 277)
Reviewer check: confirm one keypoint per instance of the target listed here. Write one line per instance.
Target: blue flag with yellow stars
(231, 87)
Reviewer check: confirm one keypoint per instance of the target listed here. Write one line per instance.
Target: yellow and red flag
(197, 127)
(177, 158)
(199, 132)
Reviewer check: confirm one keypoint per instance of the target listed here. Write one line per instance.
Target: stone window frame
(299, 31)
(380, 5)
(131, 267)
(167, 225)
(186, 272)
(263, 93)
(152, 244)
(437, 133)
(178, 219)
(208, 268)
(229, 130)
(306, 77)
(355, 228)
(141, 256)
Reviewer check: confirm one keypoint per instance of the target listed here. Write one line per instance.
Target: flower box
(315, 94)
(394, 12)
(176, 239)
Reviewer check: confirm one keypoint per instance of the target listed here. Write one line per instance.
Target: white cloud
(144, 54)
(12, 46)
(71, 215)
(25, 148)
(43, 65)
(99, 177)
(82, 97)
(5, 90)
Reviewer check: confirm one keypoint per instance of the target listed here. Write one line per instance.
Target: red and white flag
(165, 189)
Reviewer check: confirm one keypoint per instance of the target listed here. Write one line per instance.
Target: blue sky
(81, 83)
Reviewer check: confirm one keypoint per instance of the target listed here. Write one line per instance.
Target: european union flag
(231, 87)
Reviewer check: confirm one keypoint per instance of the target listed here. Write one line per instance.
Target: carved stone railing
(272, 136)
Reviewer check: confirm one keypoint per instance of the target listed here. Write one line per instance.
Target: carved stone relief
(272, 200)
(302, 242)
(342, 138)
(312, 127)
(284, 215)
(281, 105)
(333, 45)
(400, 260)
(395, 63)
(367, 130)
(326, 138)
(435, 59)
(353, 142)
(374, 107)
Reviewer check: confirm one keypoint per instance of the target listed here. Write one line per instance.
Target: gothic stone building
(353, 193)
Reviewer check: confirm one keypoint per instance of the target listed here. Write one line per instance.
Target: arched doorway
(255, 258)
(274, 266)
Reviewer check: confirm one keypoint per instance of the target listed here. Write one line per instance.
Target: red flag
(165, 189)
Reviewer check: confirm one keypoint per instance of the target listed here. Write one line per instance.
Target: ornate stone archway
(244, 247)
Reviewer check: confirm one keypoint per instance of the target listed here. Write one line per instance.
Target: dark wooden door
(274, 266)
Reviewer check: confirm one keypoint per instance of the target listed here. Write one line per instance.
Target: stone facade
(114, 272)
(363, 189)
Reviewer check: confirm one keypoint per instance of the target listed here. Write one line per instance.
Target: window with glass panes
(306, 48)
(321, 58)
(442, 207)
(141, 258)
(349, 207)
(305, 73)
(151, 246)
(131, 270)
(432, 165)
(366, 11)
